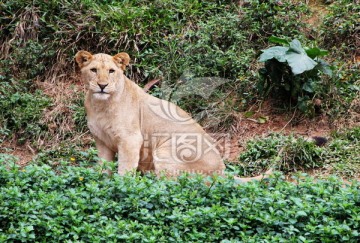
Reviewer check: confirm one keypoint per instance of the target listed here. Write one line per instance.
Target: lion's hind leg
(171, 162)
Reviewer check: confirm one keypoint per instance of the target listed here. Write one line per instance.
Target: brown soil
(249, 128)
(318, 11)
(24, 153)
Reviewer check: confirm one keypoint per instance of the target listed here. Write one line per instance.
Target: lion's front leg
(104, 153)
(129, 154)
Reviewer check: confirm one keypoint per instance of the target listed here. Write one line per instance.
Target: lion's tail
(257, 178)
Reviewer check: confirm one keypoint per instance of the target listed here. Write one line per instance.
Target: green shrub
(21, 111)
(294, 74)
(80, 204)
(29, 59)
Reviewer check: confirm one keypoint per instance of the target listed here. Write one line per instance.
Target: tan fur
(147, 133)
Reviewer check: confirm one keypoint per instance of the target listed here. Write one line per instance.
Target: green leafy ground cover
(63, 195)
(83, 205)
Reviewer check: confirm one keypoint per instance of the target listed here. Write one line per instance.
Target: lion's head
(102, 73)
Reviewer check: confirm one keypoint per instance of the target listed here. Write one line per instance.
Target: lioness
(147, 133)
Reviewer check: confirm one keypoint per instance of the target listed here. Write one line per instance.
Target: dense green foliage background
(165, 40)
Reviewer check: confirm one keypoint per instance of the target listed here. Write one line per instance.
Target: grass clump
(289, 154)
(286, 153)
(82, 204)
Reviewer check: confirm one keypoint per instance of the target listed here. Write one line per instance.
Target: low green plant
(294, 73)
(82, 204)
(66, 155)
(286, 153)
(8, 160)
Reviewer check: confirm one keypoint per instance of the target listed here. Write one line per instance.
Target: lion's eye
(111, 70)
(93, 70)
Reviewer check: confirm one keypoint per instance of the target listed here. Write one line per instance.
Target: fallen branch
(150, 84)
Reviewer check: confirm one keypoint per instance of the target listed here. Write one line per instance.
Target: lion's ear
(122, 59)
(83, 58)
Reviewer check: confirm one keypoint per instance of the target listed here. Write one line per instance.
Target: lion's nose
(102, 86)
